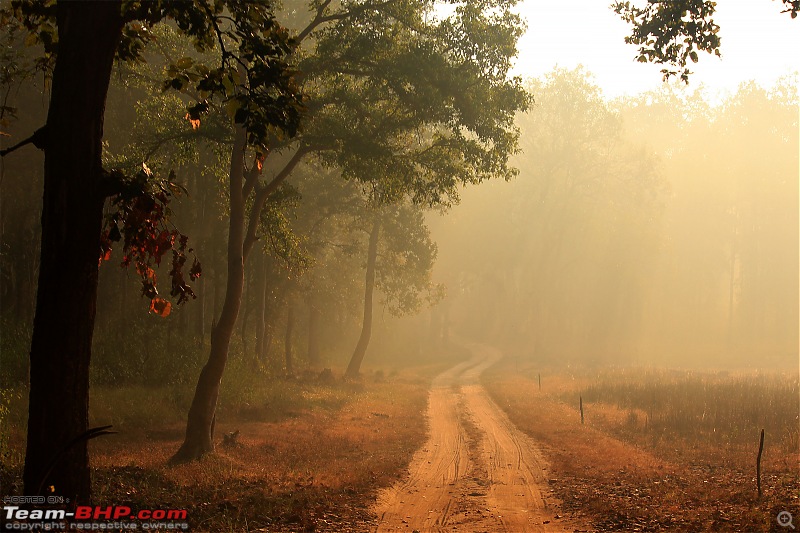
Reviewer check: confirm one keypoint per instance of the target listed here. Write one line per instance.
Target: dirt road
(477, 471)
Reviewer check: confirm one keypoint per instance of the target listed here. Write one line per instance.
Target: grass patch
(660, 450)
(311, 454)
(317, 470)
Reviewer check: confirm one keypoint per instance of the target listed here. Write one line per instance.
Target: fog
(342, 266)
(658, 229)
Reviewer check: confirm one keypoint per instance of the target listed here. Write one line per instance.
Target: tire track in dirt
(477, 471)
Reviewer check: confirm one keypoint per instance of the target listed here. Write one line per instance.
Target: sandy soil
(477, 471)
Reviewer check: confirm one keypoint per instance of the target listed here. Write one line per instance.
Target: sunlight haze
(393, 266)
(757, 43)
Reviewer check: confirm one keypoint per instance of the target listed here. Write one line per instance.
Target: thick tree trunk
(71, 222)
(200, 424)
(288, 349)
(369, 286)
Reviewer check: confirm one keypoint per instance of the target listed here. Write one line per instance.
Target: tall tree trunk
(200, 313)
(200, 424)
(72, 214)
(369, 286)
(261, 315)
(313, 330)
(288, 339)
(246, 314)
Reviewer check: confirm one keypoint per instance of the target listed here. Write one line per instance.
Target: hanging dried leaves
(195, 122)
(259, 161)
(140, 219)
(160, 307)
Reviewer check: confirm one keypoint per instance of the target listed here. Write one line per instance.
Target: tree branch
(250, 180)
(319, 19)
(314, 23)
(38, 139)
(261, 198)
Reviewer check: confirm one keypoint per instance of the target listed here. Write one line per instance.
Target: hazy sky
(758, 42)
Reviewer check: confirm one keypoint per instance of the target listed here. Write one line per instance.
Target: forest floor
(313, 460)
(494, 453)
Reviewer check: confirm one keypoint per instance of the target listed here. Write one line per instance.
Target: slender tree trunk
(246, 314)
(200, 314)
(200, 424)
(369, 286)
(289, 332)
(72, 214)
(261, 315)
(313, 331)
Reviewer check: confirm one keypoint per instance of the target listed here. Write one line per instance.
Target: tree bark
(246, 313)
(366, 328)
(261, 315)
(200, 424)
(72, 212)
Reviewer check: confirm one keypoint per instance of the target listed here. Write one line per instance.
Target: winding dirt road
(477, 471)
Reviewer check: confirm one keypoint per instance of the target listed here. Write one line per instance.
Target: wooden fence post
(581, 406)
(758, 463)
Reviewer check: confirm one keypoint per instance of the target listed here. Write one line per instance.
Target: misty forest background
(655, 229)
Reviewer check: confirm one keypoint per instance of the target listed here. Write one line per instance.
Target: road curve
(476, 472)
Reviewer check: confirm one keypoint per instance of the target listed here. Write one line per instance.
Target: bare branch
(261, 198)
(314, 23)
(38, 139)
(319, 19)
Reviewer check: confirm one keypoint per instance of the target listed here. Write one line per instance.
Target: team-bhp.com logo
(96, 518)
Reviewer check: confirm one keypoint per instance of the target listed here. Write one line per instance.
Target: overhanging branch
(38, 139)
(263, 193)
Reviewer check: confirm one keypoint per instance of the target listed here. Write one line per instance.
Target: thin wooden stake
(540, 382)
(758, 462)
(581, 405)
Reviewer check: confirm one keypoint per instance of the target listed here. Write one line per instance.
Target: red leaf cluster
(139, 218)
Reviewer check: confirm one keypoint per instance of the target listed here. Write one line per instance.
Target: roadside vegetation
(302, 453)
(660, 449)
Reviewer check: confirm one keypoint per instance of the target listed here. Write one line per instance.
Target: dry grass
(314, 471)
(310, 455)
(628, 469)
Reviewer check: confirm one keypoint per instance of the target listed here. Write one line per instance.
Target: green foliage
(282, 240)
(406, 256)
(15, 341)
(17, 67)
(410, 105)
(147, 351)
(334, 219)
(253, 83)
(37, 19)
(670, 32)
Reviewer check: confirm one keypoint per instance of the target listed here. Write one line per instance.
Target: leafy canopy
(671, 32)
(410, 104)
(253, 80)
